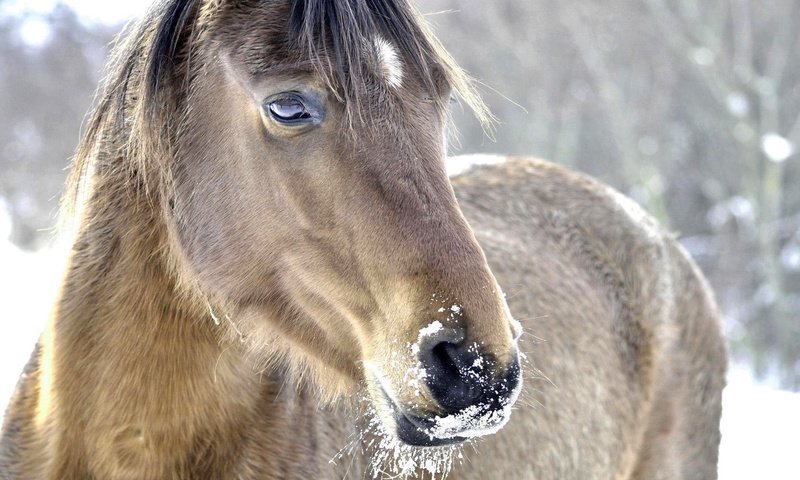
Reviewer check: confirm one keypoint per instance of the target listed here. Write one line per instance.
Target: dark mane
(169, 33)
(130, 119)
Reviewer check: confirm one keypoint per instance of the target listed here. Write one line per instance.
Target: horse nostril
(455, 375)
(448, 359)
(460, 376)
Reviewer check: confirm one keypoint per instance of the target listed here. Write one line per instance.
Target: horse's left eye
(290, 109)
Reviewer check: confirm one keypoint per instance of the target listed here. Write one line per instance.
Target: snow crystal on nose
(473, 421)
(432, 329)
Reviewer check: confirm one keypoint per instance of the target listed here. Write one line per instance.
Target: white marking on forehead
(389, 62)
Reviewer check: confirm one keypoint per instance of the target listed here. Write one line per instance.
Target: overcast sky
(35, 30)
(102, 11)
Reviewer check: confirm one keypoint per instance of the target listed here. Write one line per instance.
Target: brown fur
(231, 278)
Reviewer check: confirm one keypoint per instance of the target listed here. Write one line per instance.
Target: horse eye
(289, 109)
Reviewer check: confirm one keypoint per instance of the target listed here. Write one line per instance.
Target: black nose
(460, 375)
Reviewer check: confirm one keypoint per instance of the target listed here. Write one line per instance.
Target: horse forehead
(390, 65)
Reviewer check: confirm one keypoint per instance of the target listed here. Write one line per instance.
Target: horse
(273, 276)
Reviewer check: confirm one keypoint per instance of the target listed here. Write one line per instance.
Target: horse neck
(137, 377)
(135, 372)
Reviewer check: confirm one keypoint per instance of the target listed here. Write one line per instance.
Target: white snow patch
(473, 421)
(462, 163)
(28, 286)
(760, 430)
(478, 363)
(414, 378)
(432, 329)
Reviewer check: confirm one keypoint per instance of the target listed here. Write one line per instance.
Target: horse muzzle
(473, 397)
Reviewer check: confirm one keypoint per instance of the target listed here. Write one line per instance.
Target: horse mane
(334, 34)
(127, 124)
(137, 115)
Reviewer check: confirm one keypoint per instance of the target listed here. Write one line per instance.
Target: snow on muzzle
(470, 392)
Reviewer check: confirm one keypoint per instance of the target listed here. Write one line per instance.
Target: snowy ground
(760, 431)
(760, 425)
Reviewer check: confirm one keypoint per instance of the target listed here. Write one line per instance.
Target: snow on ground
(760, 431)
(28, 283)
(461, 163)
(760, 425)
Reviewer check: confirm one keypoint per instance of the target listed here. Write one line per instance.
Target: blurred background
(691, 107)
